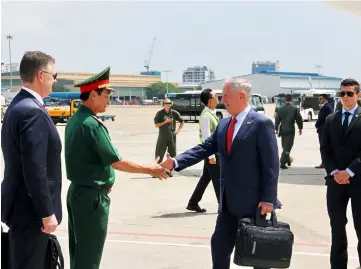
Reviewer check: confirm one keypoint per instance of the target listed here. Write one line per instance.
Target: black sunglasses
(349, 94)
(53, 75)
(167, 103)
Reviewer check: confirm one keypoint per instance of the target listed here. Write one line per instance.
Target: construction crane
(150, 56)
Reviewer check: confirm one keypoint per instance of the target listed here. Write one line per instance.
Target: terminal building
(267, 80)
(126, 86)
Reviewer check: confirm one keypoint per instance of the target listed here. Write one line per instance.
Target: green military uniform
(287, 116)
(166, 138)
(89, 154)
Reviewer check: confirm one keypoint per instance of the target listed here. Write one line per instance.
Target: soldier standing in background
(287, 116)
(166, 120)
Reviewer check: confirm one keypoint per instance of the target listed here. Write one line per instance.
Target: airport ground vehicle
(61, 106)
(306, 101)
(60, 110)
(190, 107)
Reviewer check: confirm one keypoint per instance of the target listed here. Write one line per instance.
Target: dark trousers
(165, 143)
(28, 247)
(287, 144)
(224, 238)
(210, 172)
(337, 200)
(88, 212)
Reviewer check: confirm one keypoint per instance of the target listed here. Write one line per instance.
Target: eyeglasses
(349, 94)
(167, 103)
(53, 75)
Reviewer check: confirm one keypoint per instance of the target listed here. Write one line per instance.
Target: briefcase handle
(261, 219)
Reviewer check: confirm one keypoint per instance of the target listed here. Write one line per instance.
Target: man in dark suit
(30, 191)
(341, 156)
(325, 110)
(248, 152)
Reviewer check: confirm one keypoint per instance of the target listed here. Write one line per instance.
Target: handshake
(163, 169)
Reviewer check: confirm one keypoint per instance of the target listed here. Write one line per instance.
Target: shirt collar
(86, 109)
(243, 114)
(210, 110)
(35, 94)
(352, 110)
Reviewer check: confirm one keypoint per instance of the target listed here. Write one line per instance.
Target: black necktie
(345, 123)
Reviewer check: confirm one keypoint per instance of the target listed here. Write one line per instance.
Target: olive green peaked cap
(98, 81)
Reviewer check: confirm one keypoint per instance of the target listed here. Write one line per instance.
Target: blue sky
(228, 37)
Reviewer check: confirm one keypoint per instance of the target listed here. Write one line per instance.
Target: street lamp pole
(11, 77)
(318, 66)
(167, 71)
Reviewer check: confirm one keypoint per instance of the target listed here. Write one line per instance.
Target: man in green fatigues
(166, 120)
(90, 162)
(287, 116)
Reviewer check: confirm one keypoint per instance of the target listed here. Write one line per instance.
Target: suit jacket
(325, 110)
(339, 151)
(31, 147)
(249, 174)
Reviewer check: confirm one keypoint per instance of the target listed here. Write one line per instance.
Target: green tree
(159, 89)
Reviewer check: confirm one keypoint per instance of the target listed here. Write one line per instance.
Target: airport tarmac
(149, 226)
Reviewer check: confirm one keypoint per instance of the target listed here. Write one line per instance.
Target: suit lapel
(243, 129)
(354, 119)
(338, 124)
(28, 95)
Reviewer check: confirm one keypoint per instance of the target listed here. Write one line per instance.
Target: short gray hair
(240, 84)
(33, 62)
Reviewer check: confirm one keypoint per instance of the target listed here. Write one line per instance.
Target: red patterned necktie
(230, 134)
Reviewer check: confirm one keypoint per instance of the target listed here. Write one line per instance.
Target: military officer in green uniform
(90, 159)
(286, 117)
(166, 120)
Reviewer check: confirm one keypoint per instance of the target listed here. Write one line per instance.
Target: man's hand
(212, 161)
(168, 120)
(299, 132)
(168, 163)
(158, 171)
(176, 132)
(342, 177)
(266, 208)
(49, 224)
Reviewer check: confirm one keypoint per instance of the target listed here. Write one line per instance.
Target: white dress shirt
(35, 94)
(240, 118)
(205, 126)
(352, 113)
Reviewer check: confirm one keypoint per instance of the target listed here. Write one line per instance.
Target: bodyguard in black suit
(30, 191)
(341, 156)
(325, 110)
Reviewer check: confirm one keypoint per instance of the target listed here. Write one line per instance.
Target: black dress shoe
(196, 208)
(283, 166)
(320, 166)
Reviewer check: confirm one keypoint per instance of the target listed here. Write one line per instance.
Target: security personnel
(211, 168)
(165, 120)
(90, 159)
(287, 116)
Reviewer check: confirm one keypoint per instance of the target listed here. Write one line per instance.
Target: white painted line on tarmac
(199, 246)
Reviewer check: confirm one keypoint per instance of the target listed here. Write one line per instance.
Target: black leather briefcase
(54, 257)
(263, 243)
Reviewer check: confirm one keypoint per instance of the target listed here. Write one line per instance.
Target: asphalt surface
(150, 228)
